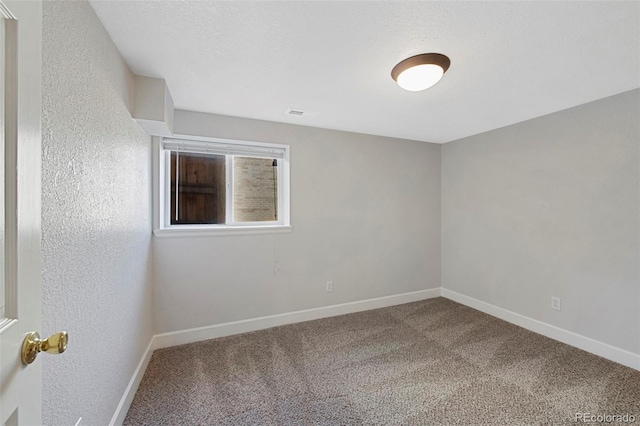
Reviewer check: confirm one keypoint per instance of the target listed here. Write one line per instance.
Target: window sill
(195, 231)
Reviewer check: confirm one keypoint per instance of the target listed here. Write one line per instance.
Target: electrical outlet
(329, 286)
(555, 303)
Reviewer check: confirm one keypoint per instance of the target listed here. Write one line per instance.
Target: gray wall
(365, 212)
(550, 207)
(96, 219)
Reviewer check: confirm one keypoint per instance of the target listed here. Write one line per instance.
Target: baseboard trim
(132, 387)
(182, 337)
(596, 347)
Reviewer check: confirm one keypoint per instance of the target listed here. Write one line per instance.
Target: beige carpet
(433, 362)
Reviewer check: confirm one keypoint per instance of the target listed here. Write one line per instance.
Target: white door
(20, 283)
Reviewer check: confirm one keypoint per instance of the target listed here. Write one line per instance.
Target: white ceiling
(510, 61)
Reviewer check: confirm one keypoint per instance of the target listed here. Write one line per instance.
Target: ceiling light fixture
(421, 71)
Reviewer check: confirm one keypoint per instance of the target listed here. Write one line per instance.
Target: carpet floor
(433, 362)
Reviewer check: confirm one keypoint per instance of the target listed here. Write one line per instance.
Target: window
(221, 186)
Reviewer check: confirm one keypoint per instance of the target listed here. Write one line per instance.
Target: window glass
(198, 189)
(255, 189)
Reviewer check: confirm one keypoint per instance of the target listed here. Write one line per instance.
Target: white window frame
(162, 197)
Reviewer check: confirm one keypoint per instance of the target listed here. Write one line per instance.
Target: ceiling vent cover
(300, 113)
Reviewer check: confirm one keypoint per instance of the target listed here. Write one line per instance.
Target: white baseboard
(182, 337)
(604, 350)
(132, 387)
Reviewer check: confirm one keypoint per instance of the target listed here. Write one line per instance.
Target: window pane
(255, 189)
(200, 191)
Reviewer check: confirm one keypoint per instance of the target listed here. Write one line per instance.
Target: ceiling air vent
(299, 113)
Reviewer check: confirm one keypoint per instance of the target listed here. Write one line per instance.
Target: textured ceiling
(510, 61)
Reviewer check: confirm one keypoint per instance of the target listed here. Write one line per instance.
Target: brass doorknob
(54, 344)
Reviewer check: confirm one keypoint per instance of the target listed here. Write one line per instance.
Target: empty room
(320, 212)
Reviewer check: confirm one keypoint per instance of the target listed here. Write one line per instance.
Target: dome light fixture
(421, 71)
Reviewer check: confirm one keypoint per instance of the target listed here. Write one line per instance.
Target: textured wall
(96, 219)
(550, 207)
(365, 212)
